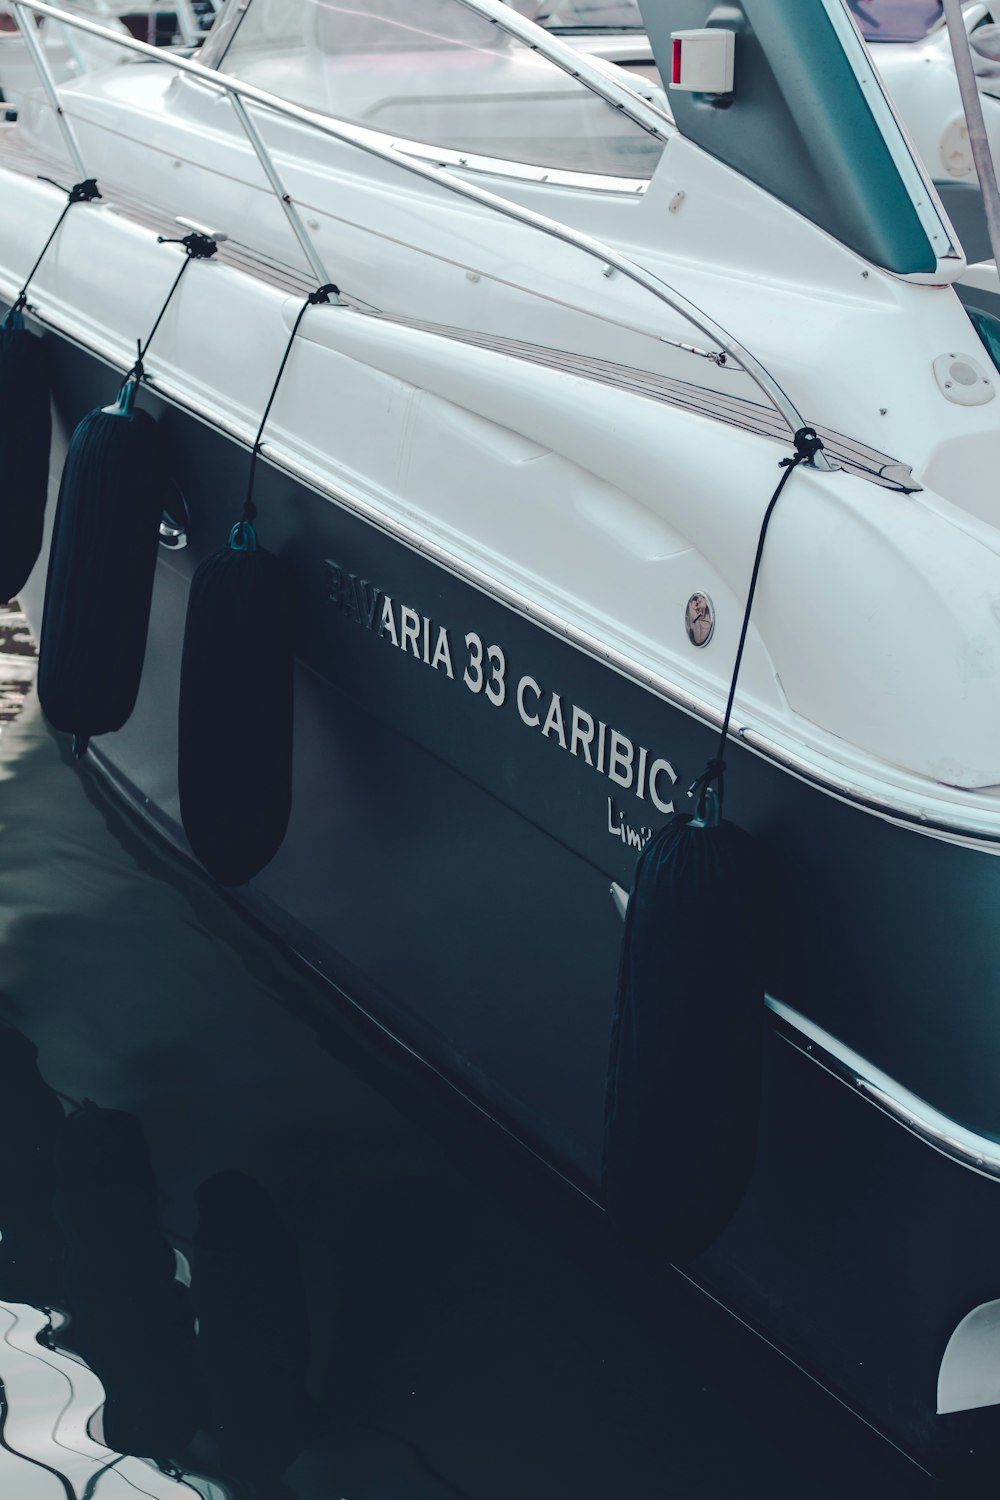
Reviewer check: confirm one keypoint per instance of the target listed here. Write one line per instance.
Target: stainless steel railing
(242, 94)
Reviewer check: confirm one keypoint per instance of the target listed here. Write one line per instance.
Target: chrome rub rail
(979, 1153)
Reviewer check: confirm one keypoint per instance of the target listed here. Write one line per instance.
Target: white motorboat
(517, 466)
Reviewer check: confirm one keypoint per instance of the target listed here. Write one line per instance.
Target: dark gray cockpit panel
(801, 123)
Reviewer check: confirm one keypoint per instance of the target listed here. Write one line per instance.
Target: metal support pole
(284, 198)
(972, 104)
(29, 31)
(187, 23)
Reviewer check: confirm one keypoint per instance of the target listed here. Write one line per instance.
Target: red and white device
(703, 60)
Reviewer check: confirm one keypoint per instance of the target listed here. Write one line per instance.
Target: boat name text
(483, 669)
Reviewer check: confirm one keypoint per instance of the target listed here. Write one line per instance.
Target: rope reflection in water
(49, 1401)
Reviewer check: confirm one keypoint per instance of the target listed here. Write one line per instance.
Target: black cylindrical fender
(236, 708)
(115, 486)
(684, 1077)
(25, 438)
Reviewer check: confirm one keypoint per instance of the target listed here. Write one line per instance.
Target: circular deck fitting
(699, 619)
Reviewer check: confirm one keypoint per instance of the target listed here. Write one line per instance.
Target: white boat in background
(517, 466)
(909, 44)
(70, 54)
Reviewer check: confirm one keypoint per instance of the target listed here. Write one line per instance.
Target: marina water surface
(302, 1266)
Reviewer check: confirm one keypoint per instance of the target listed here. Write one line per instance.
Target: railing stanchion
(29, 32)
(284, 197)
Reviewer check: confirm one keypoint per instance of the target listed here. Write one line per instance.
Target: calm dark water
(391, 1303)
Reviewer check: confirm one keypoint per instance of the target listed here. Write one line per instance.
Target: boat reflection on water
(131, 1319)
(250, 1343)
(81, 1233)
(31, 1119)
(249, 1254)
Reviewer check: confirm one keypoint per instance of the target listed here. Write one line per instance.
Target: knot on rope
(807, 445)
(715, 771)
(200, 246)
(81, 192)
(323, 294)
(84, 192)
(197, 245)
(134, 376)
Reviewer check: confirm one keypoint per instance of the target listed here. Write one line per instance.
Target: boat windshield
(435, 73)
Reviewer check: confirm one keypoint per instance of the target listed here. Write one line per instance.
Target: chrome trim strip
(976, 1152)
(981, 827)
(847, 453)
(381, 147)
(518, 171)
